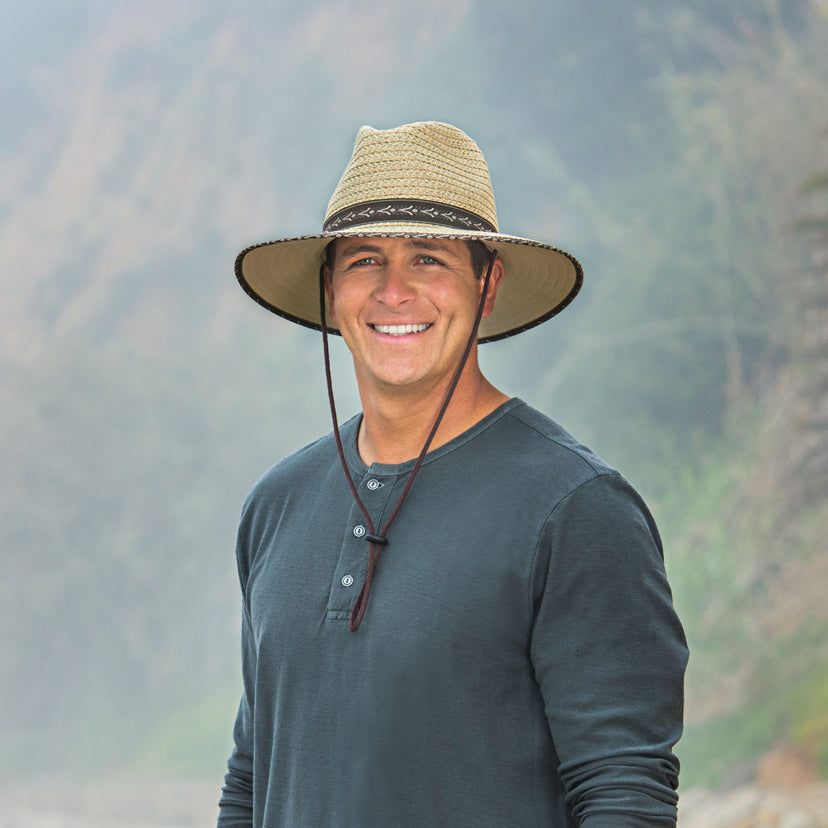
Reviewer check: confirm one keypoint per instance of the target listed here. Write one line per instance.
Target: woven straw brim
(539, 281)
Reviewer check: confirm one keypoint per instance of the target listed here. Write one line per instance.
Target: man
(453, 613)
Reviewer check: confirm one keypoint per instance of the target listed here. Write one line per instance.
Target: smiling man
(454, 614)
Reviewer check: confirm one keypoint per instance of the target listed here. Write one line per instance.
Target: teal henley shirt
(519, 664)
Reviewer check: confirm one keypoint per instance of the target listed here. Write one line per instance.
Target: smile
(400, 330)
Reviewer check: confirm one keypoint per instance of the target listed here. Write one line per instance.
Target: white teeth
(400, 330)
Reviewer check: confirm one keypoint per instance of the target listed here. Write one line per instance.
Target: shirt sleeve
(609, 654)
(236, 803)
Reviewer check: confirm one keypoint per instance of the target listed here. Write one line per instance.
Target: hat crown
(428, 162)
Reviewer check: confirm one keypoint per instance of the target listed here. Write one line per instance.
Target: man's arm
(236, 803)
(609, 654)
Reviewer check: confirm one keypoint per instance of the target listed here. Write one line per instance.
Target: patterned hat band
(405, 210)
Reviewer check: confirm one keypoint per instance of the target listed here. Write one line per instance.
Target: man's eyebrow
(430, 244)
(363, 247)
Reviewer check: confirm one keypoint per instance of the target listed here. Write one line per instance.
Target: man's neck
(396, 424)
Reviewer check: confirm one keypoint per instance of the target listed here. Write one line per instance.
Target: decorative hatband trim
(395, 210)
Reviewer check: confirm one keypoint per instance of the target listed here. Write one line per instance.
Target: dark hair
(330, 255)
(480, 255)
(477, 250)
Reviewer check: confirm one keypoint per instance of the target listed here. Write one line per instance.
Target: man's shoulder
(537, 437)
(571, 473)
(302, 468)
(522, 450)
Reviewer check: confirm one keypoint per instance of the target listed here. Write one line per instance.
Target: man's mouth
(401, 330)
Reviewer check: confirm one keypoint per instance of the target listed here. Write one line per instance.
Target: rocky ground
(192, 805)
(114, 804)
(753, 806)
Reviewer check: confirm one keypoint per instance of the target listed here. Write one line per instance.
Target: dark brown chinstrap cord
(377, 540)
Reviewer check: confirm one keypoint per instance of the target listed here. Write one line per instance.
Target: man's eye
(430, 260)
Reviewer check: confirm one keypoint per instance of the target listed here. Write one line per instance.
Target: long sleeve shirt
(519, 664)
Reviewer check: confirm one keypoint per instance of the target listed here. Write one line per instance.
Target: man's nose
(395, 286)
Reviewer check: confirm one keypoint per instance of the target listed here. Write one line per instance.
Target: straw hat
(424, 179)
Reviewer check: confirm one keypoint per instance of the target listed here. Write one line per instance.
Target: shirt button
(347, 580)
(373, 484)
(359, 531)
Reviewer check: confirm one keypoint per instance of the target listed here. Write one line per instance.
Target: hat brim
(539, 281)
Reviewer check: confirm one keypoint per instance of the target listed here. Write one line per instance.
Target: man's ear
(329, 291)
(498, 272)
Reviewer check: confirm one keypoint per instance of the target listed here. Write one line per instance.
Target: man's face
(405, 308)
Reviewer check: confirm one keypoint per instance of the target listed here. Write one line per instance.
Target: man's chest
(454, 574)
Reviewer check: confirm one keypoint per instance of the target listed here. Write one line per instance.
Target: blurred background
(679, 149)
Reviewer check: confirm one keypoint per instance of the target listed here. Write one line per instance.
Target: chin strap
(378, 540)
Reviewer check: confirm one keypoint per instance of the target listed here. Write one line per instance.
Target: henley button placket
(353, 556)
